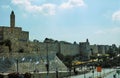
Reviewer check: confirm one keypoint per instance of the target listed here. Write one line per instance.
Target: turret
(87, 41)
(12, 19)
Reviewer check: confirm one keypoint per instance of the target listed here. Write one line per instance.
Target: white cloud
(116, 16)
(5, 7)
(27, 5)
(47, 8)
(72, 3)
(100, 32)
(112, 31)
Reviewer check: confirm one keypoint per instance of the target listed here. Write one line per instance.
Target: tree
(68, 62)
(8, 43)
(27, 75)
(60, 56)
(119, 50)
(111, 52)
(1, 76)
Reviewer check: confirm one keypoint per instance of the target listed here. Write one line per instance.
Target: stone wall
(101, 49)
(69, 49)
(55, 47)
(94, 48)
(20, 41)
(85, 50)
(18, 38)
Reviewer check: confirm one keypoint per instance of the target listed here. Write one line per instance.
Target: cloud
(100, 32)
(72, 3)
(116, 16)
(5, 7)
(112, 31)
(27, 5)
(47, 8)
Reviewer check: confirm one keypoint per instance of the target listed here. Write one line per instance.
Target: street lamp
(17, 65)
(56, 68)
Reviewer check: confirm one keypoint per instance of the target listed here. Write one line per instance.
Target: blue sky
(66, 20)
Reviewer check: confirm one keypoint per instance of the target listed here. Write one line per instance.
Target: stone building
(18, 38)
(85, 50)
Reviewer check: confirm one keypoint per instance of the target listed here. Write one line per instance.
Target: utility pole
(56, 72)
(47, 64)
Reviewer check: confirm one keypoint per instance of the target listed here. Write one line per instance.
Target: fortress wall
(24, 36)
(6, 33)
(69, 49)
(18, 38)
(85, 50)
(42, 48)
(10, 33)
(53, 48)
(94, 48)
(101, 49)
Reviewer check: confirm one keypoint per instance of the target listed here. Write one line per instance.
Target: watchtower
(12, 19)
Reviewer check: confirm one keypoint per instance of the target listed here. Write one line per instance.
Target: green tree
(119, 49)
(68, 62)
(60, 56)
(111, 52)
(8, 43)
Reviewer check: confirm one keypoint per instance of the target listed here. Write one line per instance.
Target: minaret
(12, 19)
(87, 41)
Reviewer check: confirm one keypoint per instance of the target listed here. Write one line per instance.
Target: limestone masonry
(13, 39)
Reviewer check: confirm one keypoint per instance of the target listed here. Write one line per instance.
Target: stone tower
(87, 41)
(12, 19)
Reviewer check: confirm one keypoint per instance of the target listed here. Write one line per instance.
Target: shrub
(13, 75)
(27, 75)
(1, 76)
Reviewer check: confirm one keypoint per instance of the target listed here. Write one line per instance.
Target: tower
(12, 19)
(87, 41)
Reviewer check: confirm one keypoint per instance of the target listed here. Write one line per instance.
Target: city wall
(55, 47)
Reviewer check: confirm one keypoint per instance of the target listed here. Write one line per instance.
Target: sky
(66, 20)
